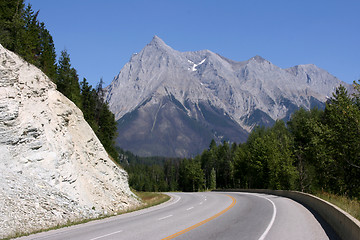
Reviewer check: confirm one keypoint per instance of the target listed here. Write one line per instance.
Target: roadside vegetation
(351, 206)
(150, 199)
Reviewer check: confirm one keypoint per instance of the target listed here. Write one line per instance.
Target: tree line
(316, 150)
(23, 33)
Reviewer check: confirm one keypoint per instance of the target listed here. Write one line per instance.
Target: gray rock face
(203, 86)
(53, 168)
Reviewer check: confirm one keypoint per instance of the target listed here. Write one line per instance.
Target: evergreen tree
(282, 170)
(28, 45)
(258, 164)
(107, 130)
(212, 184)
(356, 94)
(224, 164)
(47, 58)
(342, 117)
(23, 33)
(304, 127)
(100, 91)
(242, 166)
(67, 80)
(88, 103)
(191, 175)
(208, 159)
(11, 22)
(171, 175)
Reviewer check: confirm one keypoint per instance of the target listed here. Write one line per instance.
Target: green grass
(148, 199)
(351, 206)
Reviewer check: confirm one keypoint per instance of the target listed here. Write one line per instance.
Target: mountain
(53, 168)
(173, 103)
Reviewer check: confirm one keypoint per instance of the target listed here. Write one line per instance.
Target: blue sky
(102, 35)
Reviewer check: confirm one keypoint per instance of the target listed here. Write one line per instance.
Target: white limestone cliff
(53, 169)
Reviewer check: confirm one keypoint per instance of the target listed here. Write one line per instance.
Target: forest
(317, 150)
(23, 33)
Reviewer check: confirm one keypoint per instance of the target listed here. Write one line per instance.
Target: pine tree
(89, 99)
(63, 73)
(212, 184)
(258, 169)
(342, 116)
(23, 33)
(98, 115)
(11, 22)
(107, 130)
(100, 91)
(304, 126)
(47, 58)
(241, 166)
(281, 168)
(67, 80)
(191, 175)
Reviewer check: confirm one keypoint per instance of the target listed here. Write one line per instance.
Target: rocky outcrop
(53, 169)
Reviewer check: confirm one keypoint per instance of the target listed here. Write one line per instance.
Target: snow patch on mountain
(194, 65)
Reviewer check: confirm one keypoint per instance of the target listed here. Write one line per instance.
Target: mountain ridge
(241, 91)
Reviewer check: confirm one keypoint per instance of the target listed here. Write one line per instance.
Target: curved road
(210, 215)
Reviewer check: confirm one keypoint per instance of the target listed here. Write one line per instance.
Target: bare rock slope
(53, 169)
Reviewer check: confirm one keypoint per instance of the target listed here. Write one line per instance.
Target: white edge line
(189, 208)
(106, 235)
(176, 200)
(262, 237)
(165, 217)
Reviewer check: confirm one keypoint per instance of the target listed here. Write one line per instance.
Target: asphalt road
(210, 215)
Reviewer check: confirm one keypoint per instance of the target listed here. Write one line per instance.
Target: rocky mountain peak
(259, 59)
(158, 44)
(157, 40)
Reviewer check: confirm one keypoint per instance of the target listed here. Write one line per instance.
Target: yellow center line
(203, 222)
